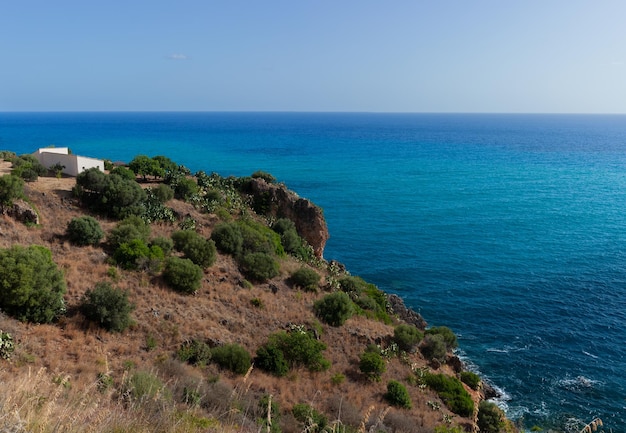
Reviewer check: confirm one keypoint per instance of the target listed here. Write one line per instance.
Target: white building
(73, 164)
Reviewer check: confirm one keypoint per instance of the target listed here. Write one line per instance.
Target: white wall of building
(74, 164)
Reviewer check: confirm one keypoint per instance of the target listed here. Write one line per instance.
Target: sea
(508, 228)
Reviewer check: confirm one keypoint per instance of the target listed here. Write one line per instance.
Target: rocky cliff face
(279, 202)
(23, 212)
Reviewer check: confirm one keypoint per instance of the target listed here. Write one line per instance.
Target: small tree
(407, 337)
(259, 267)
(11, 188)
(305, 278)
(232, 357)
(182, 275)
(84, 230)
(434, 347)
(334, 308)
(372, 365)
(108, 306)
(31, 285)
(397, 395)
(490, 417)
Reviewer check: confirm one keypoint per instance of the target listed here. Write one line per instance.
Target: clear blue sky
(314, 55)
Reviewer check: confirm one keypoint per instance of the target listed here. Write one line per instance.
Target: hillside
(72, 375)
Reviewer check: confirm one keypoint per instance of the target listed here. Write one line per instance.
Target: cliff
(72, 374)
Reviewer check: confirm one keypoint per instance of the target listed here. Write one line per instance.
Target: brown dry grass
(221, 311)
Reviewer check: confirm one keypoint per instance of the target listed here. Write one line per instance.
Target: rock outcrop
(23, 212)
(277, 201)
(410, 316)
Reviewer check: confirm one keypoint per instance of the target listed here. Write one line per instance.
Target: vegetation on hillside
(170, 305)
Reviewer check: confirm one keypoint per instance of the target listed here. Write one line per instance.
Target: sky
(515, 56)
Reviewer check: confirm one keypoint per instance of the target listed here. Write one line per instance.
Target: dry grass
(33, 398)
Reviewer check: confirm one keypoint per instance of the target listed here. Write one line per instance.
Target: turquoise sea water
(510, 229)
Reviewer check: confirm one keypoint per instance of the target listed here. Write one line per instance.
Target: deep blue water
(510, 229)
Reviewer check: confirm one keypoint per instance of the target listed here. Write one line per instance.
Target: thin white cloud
(178, 56)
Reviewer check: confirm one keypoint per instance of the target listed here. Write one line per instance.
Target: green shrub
(258, 238)
(270, 358)
(490, 417)
(451, 391)
(182, 275)
(232, 357)
(28, 168)
(449, 337)
(84, 230)
(334, 308)
(143, 386)
(260, 174)
(166, 244)
(11, 189)
(259, 267)
(163, 193)
(185, 188)
(145, 166)
(6, 345)
(372, 365)
(228, 238)
(194, 352)
(397, 395)
(31, 285)
(305, 278)
(407, 337)
(285, 350)
(128, 254)
(434, 347)
(312, 420)
(267, 404)
(123, 172)
(127, 230)
(110, 194)
(107, 306)
(197, 249)
(470, 379)
(370, 300)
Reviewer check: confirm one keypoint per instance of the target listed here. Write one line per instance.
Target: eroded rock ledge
(279, 202)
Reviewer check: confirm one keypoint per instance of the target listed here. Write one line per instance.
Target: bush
(185, 188)
(448, 336)
(372, 365)
(166, 244)
(182, 275)
(194, 352)
(163, 193)
(451, 391)
(371, 301)
(267, 177)
(490, 417)
(470, 379)
(334, 308)
(270, 358)
(127, 230)
(305, 278)
(31, 285)
(313, 420)
(397, 395)
(11, 188)
(123, 172)
(228, 238)
(232, 357)
(128, 254)
(109, 307)
(266, 404)
(143, 386)
(434, 347)
(285, 350)
(84, 230)
(197, 249)
(259, 267)
(407, 337)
